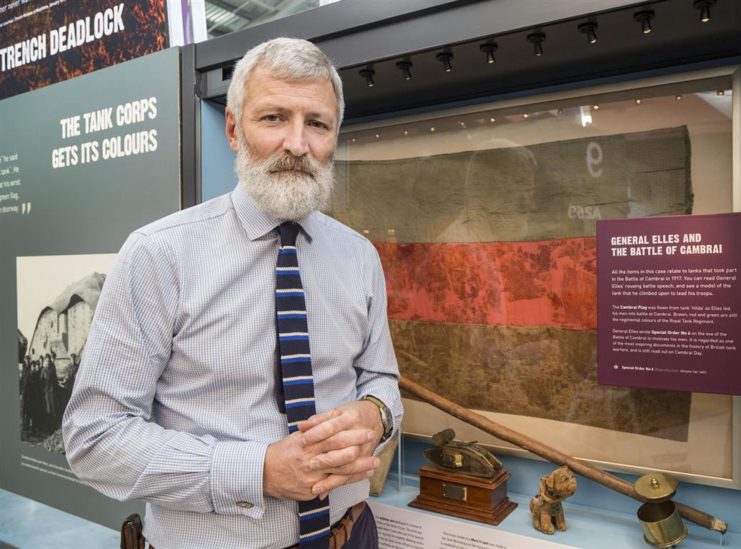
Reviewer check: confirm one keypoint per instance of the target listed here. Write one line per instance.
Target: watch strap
(386, 419)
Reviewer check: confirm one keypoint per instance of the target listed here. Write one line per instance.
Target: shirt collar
(258, 223)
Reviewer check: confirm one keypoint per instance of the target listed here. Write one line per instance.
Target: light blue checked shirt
(174, 402)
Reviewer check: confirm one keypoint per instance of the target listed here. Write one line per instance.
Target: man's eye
(271, 117)
(318, 124)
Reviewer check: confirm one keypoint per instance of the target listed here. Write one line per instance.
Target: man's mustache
(289, 163)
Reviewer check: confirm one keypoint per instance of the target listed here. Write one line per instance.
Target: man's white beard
(285, 186)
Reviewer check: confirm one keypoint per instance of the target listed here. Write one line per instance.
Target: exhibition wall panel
(82, 164)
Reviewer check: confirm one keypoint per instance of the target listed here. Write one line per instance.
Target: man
(49, 390)
(178, 401)
(25, 384)
(69, 380)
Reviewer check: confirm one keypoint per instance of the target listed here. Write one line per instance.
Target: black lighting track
(446, 44)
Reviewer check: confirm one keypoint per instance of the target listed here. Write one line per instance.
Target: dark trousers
(364, 533)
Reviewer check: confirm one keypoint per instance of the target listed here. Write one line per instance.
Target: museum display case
(484, 218)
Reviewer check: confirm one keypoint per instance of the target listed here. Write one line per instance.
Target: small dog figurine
(546, 506)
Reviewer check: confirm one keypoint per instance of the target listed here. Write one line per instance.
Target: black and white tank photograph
(57, 296)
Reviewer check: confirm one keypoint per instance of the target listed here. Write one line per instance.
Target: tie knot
(288, 232)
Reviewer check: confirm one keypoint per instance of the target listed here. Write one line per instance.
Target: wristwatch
(386, 420)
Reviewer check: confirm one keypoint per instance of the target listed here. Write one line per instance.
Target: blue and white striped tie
(298, 380)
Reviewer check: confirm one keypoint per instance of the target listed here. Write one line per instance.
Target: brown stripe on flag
(537, 371)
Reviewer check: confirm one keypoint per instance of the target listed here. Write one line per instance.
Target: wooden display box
(473, 498)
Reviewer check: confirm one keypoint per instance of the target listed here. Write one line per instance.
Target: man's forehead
(268, 73)
(262, 82)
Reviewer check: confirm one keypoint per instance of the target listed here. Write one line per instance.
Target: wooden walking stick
(551, 454)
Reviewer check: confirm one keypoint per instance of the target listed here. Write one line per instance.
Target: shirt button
(244, 504)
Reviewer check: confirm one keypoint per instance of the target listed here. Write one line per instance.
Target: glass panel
(225, 16)
(485, 224)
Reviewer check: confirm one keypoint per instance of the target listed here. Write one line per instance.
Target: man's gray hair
(284, 58)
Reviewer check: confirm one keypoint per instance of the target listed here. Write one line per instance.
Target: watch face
(386, 421)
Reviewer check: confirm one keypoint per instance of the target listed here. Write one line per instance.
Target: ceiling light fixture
(489, 48)
(406, 69)
(590, 29)
(704, 7)
(537, 39)
(368, 74)
(644, 17)
(446, 58)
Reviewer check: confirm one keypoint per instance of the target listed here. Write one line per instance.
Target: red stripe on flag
(540, 283)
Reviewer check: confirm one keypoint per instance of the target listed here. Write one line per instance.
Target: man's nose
(296, 141)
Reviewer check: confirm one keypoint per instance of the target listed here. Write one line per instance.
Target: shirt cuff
(236, 478)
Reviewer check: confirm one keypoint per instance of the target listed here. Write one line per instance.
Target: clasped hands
(329, 449)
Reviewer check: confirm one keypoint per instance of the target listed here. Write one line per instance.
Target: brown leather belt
(339, 534)
(341, 531)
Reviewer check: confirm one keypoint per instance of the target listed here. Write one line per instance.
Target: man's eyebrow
(320, 114)
(271, 107)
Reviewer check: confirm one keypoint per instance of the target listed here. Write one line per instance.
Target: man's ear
(231, 130)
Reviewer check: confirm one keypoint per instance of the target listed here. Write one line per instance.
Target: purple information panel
(668, 300)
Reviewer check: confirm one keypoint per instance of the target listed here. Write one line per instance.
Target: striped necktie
(295, 362)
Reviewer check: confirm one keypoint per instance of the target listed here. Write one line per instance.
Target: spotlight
(368, 75)
(590, 29)
(446, 59)
(644, 18)
(678, 97)
(489, 48)
(406, 69)
(639, 101)
(595, 107)
(704, 7)
(720, 92)
(536, 39)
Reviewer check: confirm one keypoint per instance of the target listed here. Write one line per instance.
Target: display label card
(400, 528)
(668, 301)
